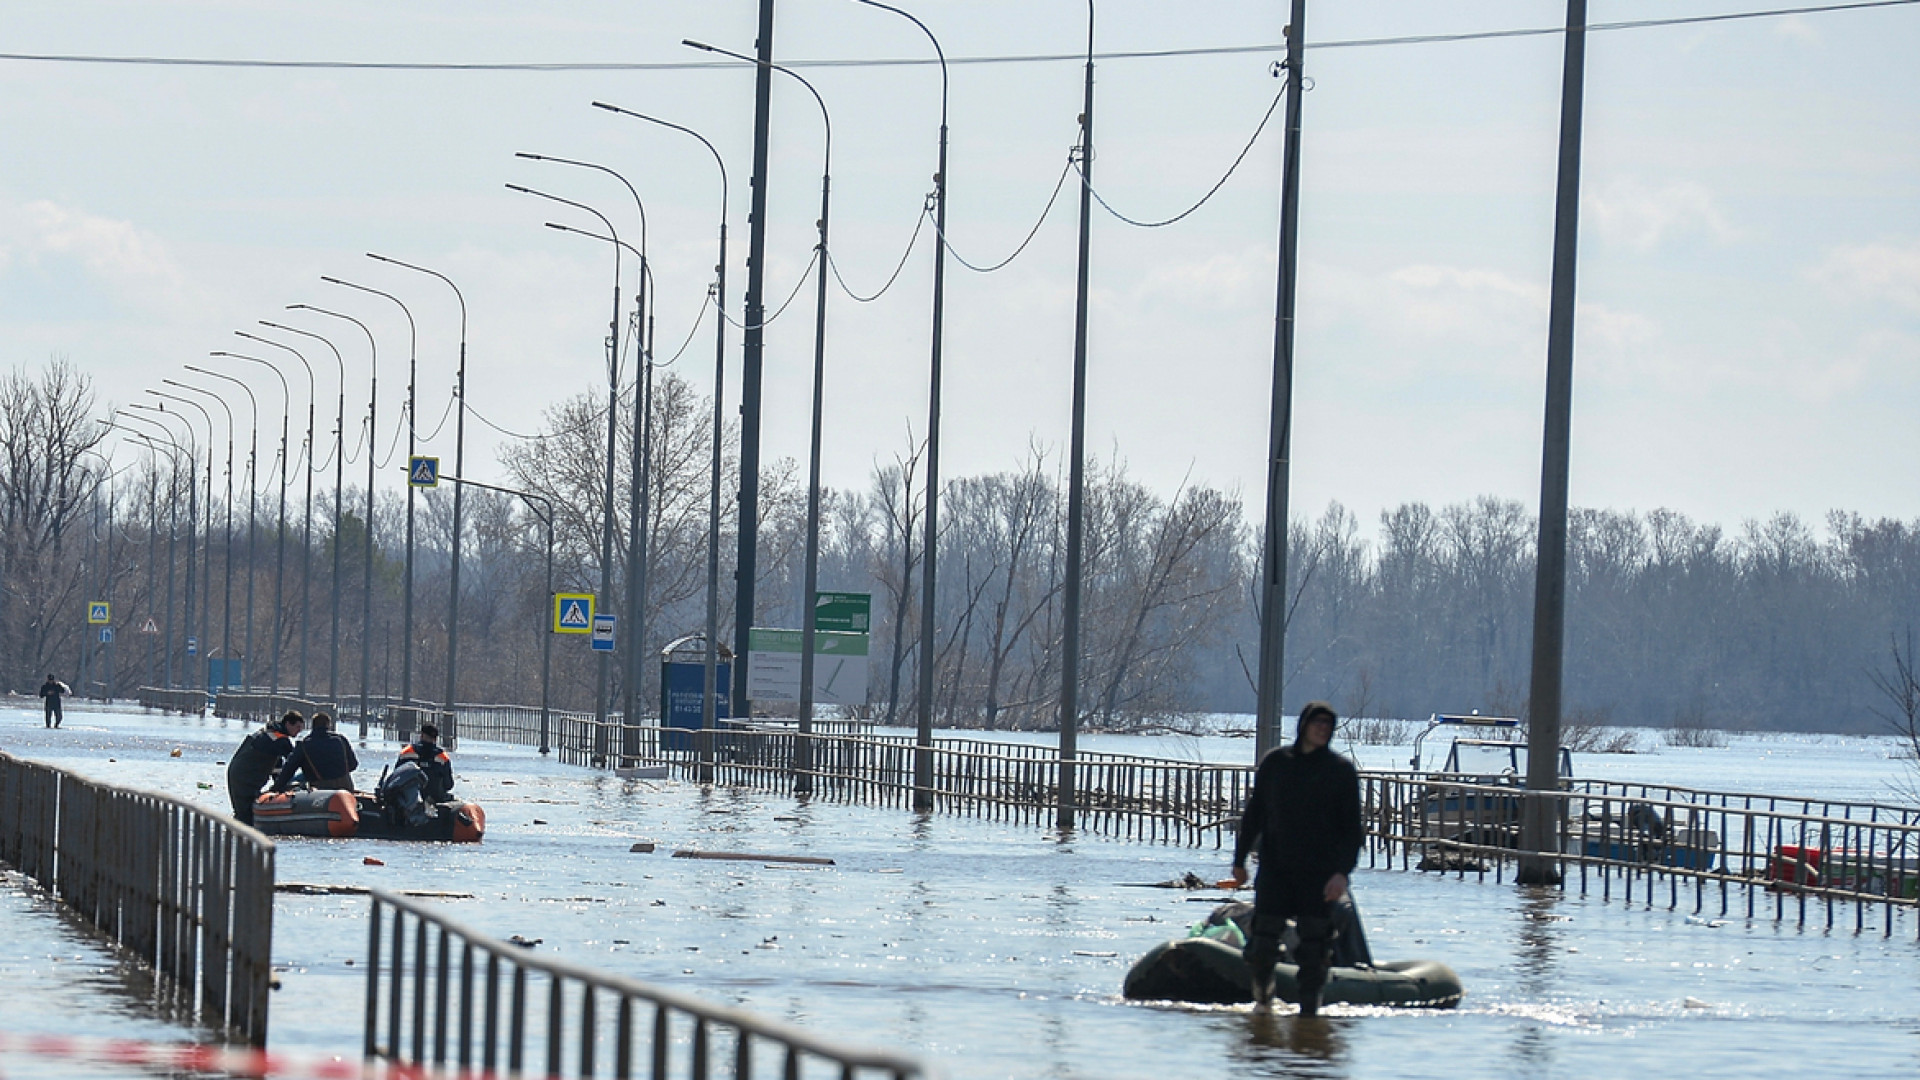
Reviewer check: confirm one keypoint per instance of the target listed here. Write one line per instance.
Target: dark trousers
(1278, 898)
(53, 711)
(242, 792)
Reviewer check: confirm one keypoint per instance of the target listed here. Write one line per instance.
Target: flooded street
(998, 950)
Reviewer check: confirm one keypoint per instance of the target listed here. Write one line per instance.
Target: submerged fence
(439, 994)
(187, 891)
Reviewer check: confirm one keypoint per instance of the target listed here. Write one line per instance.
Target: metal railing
(1724, 853)
(440, 994)
(188, 891)
(189, 701)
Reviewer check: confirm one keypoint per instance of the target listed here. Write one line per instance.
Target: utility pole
(1540, 824)
(1076, 474)
(1273, 559)
(750, 368)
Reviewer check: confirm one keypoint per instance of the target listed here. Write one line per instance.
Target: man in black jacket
(254, 763)
(426, 753)
(324, 759)
(52, 690)
(1303, 817)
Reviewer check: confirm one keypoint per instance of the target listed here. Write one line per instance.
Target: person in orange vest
(254, 763)
(425, 752)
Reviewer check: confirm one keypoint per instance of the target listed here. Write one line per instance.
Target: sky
(1747, 336)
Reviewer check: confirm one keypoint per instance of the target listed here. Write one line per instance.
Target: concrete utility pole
(1076, 475)
(1540, 824)
(749, 509)
(1273, 558)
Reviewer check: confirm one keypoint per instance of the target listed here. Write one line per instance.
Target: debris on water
(621, 941)
(1188, 880)
(371, 861)
(659, 903)
(176, 752)
(204, 786)
(524, 942)
(509, 783)
(1094, 954)
(788, 818)
(891, 870)
(1711, 924)
(741, 856)
(769, 943)
(537, 821)
(1696, 1003)
(643, 847)
(1452, 862)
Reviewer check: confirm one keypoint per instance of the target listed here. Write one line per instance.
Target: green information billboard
(847, 612)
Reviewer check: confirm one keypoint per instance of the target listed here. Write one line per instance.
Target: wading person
(52, 690)
(260, 754)
(426, 753)
(324, 759)
(1303, 818)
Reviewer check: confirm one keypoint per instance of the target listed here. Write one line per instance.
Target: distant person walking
(324, 759)
(1303, 817)
(52, 691)
(255, 762)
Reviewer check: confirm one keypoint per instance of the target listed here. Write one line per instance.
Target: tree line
(1671, 622)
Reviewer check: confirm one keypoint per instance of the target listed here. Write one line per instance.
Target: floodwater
(998, 950)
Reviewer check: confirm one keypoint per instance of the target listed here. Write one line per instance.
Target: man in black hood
(1303, 817)
(260, 754)
(52, 690)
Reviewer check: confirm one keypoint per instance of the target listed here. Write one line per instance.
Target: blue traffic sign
(99, 612)
(423, 472)
(603, 632)
(106, 635)
(193, 646)
(572, 613)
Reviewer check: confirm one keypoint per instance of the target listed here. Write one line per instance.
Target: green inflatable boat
(1206, 968)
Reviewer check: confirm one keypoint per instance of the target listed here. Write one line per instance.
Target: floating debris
(307, 888)
(1094, 954)
(176, 752)
(371, 861)
(740, 856)
(524, 942)
(1696, 1003)
(643, 847)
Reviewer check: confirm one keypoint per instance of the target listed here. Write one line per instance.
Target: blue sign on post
(106, 635)
(603, 632)
(683, 690)
(423, 472)
(193, 646)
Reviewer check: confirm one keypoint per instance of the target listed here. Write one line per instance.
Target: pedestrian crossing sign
(99, 612)
(423, 472)
(572, 613)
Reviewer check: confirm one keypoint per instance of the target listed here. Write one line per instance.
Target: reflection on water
(1291, 1045)
(1536, 960)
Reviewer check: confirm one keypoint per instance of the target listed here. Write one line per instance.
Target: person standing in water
(51, 691)
(1303, 817)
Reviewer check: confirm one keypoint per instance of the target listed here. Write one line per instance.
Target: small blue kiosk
(683, 688)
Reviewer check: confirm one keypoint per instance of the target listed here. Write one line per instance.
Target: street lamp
(226, 632)
(406, 603)
(280, 535)
(929, 555)
(803, 742)
(636, 468)
(708, 709)
(253, 499)
(306, 545)
(613, 427)
(366, 601)
(173, 523)
(339, 477)
(546, 630)
(459, 461)
(206, 533)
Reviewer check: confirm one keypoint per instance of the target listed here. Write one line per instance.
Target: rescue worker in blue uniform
(1303, 817)
(260, 754)
(426, 753)
(324, 759)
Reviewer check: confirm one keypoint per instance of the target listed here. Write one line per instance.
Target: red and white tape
(219, 1060)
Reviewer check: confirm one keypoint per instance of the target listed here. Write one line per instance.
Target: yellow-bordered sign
(99, 612)
(573, 613)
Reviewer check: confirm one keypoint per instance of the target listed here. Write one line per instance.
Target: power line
(1027, 58)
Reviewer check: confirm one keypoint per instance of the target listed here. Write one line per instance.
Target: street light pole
(339, 475)
(306, 544)
(709, 704)
(226, 632)
(206, 533)
(406, 601)
(193, 453)
(253, 501)
(280, 541)
(1076, 474)
(600, 749)
(802, 765)
(929, 555)
(366, 600)
(636, 472)
(459, 464)
(173, 523)
(546, 630)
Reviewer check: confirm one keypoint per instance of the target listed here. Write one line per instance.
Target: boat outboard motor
(403, 794)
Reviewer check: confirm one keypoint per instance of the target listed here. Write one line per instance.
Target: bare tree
(1899, 686)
